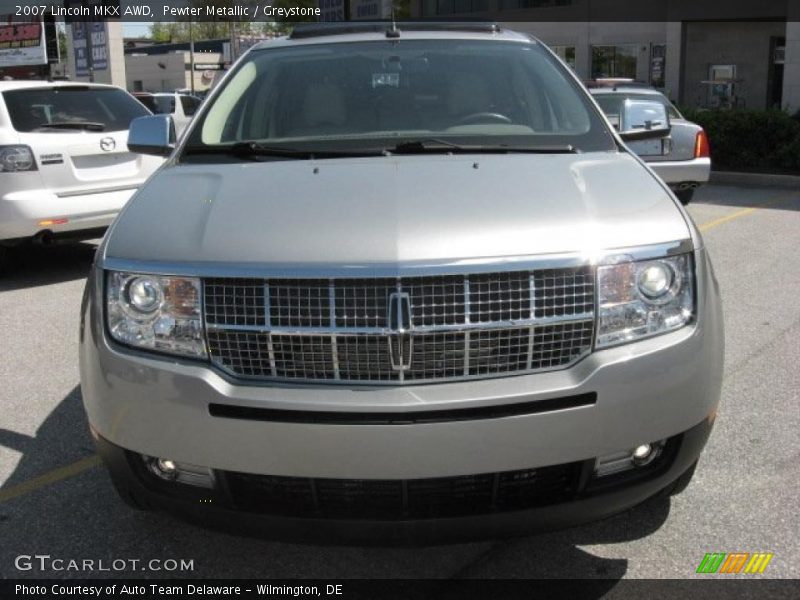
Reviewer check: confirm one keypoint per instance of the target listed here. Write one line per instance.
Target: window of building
(517, 4)
(138, 86)
(566, 53)
(614, 61)
(453, 7)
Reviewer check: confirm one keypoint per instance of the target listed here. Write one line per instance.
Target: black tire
(685, 196)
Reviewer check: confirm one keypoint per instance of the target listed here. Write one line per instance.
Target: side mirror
(644, 119)
(152, 135)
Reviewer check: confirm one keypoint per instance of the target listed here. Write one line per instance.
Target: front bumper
(674, 173)
(220, 509)
(22, 212)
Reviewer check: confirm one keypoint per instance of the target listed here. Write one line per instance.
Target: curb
(755, 179)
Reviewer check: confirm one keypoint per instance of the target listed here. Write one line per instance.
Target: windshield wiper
(438, 146)
(253, 150)
(87, 125)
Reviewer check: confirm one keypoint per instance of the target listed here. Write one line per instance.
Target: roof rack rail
(310, 30)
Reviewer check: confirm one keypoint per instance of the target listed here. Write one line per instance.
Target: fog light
(643, 454)
(640, 456)
(162, 468)
(180, 472)
(165, 465)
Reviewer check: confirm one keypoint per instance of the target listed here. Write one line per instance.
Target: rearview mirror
(643, 119)
(152, 135)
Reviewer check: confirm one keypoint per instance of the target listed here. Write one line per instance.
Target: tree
(62, 44)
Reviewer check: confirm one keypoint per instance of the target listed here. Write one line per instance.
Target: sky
(136, 29)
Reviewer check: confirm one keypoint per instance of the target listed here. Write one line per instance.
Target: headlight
(16, 158)
(155, 312)
(644, 298)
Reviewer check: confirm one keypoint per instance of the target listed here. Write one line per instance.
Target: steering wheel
(484, 116)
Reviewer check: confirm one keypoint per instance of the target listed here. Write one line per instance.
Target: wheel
(685, 196)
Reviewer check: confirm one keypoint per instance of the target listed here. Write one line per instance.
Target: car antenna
(393, 32)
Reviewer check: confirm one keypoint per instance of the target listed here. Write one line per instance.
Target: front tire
(685, 196)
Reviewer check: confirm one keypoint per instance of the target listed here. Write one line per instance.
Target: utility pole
(191, 55)
(89, 25)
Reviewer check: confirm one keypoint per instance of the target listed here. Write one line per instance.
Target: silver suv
(401, 285)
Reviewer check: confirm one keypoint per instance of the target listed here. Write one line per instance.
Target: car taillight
(701, 149)
(16, 158)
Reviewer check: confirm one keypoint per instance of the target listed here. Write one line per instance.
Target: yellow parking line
(742, 213)
(50, 477)
(726, 218)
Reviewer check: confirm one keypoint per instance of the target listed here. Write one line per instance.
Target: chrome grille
(461, 326)
(499, 297)
(235, 302)
(299, 304)
(436, 300)
(563, 292)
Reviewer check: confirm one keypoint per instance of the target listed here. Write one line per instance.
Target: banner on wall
(21, 43)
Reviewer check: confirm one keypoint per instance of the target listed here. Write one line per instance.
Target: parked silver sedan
(682, 159)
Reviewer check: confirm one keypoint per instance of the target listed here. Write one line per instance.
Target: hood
(398, 209)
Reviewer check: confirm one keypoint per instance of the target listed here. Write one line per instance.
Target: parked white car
(65, 167)
(181, 107)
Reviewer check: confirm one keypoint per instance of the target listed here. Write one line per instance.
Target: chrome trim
(503, 336)
(475, 266)
(458, 327)
(362, 383)
(105, 190)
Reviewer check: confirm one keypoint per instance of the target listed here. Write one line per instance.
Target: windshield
(46, 109)
(373, 95)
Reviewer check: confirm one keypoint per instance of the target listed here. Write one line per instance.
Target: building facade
(702, 54)
(169, 67)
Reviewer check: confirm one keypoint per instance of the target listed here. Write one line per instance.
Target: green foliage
(766, 141)
(178, 31)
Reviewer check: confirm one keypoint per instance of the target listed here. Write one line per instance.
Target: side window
(672, 111)
(189, 105)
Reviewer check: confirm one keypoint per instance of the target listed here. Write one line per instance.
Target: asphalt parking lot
(56, 500)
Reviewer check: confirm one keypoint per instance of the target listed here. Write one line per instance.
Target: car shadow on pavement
(80, 516)
(30, 265)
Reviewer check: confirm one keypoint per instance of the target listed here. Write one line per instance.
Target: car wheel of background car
(685, 196)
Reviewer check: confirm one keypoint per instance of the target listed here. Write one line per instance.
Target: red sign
(21, 43)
